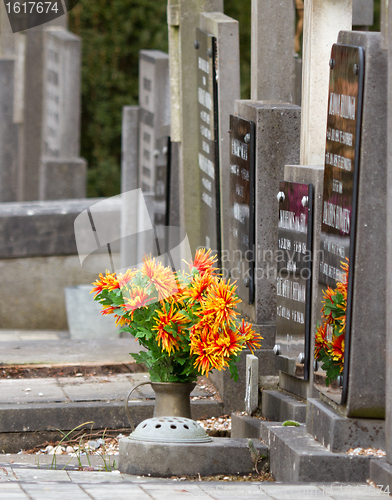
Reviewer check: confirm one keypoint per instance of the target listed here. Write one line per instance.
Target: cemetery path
(37, 484)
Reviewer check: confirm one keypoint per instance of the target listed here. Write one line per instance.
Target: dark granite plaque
(341, 184)
(208, 158)
(242, 206)
(293, 286)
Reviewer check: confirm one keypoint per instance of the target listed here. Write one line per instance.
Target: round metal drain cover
(170, 430)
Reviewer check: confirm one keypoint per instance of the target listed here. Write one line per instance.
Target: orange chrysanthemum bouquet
(330, 335)
(186, 321)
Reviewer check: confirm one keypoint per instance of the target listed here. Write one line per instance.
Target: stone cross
(323, 19)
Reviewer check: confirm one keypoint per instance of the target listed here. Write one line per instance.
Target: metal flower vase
(172, 399)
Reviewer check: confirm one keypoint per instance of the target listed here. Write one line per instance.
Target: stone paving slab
(122, 487)
(67, 351)
(30, 391)
(17, 335)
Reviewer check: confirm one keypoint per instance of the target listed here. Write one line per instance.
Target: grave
(62, 174)
(351, 416)
(381, 471)
(38, 258)
(322, 23)
(146, 156)
(264, 135)
(41, 152)
(256, 164)
(272, 58)
(183, 20)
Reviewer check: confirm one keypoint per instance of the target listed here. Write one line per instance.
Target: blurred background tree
(113, 32)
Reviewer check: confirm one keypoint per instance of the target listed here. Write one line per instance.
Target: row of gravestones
(40, 71)
(281, 268)
(286, 214)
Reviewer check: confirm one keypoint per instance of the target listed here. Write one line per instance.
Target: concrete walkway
(35, 484)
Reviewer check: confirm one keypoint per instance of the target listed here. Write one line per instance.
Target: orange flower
(205, 360)
(108, 310)
(337, 349)
(198, 287)
(123, 279)
(226, 344)
(203, 261)
(173, 319)
(328, 294)
(162, 278)
(107, 282)
(138, 298)
(321, 339)
(220, 302)
(252, 339)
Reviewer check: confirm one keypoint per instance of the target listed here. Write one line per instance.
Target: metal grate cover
(170, 430)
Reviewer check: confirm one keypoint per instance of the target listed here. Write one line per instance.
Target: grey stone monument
(145, 152)
(363, 14)
(272, 50)
(381, 471)
(183, 19)
(62, 173)
(9, 133)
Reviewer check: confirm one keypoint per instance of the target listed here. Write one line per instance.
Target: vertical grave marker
(62, 172)
(341, 175)
(242, 203)
(208, 153)
(154, 123)
(293, 287)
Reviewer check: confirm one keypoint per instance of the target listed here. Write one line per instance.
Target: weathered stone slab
(232, 393)
(381, 473)
(278, 407)
(225, 456)
(387, 43)
(243, 426)
(322, 22)
(44, 417)
(338, 433)
(183, 19)
(62, 179)
(252, 384)
(226, 32)
(9, 134)
(60, 165)
(277, 144)
(295, 457)
(272, 50)
(366, 394)
(42, 228)
(363, 12)
(22, 278)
